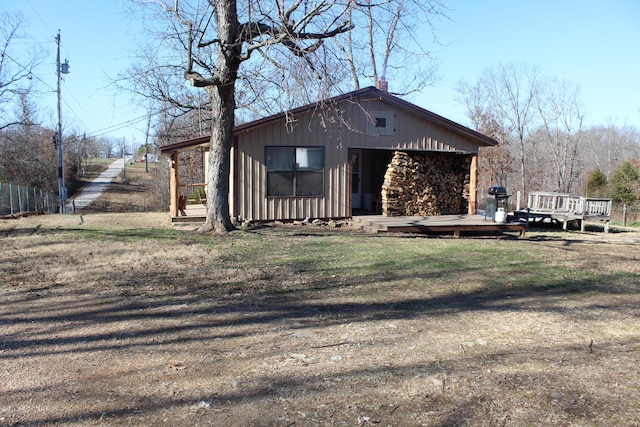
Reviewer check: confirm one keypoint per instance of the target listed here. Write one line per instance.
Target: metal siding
(412, 133)
(253, 198)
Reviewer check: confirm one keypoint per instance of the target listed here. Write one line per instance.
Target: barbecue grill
(498, 198)
(498, 192)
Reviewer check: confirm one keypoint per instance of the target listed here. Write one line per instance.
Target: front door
(356, 181)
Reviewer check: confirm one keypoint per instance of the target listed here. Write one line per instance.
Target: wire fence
(20, 199)
(626, 214)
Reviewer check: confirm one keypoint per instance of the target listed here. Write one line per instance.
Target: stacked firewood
(426, 184)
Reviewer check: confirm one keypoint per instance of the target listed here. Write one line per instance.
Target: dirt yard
(120, 320)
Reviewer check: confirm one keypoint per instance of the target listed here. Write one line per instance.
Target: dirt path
(94, 189)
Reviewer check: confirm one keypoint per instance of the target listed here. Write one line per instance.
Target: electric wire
(69, 93)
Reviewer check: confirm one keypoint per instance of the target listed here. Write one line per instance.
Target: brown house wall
(337, 130)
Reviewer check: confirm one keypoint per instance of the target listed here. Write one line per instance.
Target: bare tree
(27, 151)
(607, 147)
(391, 42)
(559, 109)
(512, 89)
(218, 38)
(508, 92)
(15, 71)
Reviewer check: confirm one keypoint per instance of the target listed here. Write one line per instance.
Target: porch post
(173, 184)
(473, 185)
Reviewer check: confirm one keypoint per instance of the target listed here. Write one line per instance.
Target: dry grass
(120, 319)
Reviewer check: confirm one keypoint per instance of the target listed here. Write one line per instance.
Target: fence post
(20, 209)
(11, 198)
(624, 215)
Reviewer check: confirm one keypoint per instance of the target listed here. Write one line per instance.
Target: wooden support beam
(173, 184)
(473, 186)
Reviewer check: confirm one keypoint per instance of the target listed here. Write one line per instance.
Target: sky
(592, 44)
(97, 38)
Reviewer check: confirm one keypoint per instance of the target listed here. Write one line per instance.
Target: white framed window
(294, 171)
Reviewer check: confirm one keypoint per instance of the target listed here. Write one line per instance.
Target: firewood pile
(426, 184)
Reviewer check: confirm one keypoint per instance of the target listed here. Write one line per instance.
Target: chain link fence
(20, 199)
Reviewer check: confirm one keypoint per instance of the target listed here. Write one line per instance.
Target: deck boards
(442, 224)
(194, 213)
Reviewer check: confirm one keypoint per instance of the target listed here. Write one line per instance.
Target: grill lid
(497, 191)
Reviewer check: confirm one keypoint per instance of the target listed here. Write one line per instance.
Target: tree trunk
(223, 107)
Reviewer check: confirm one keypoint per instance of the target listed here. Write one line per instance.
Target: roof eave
(167, 150)
(384, 96)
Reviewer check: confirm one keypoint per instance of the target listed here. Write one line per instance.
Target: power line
(118, 126)
(96, 133)
(24, 68)
(70, 92)
(35, 12)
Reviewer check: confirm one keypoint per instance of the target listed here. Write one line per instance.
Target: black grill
(497, 198)
(499, 192)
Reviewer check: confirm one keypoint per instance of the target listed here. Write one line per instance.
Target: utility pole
(124, 160)
(60, 69)
(146, 144)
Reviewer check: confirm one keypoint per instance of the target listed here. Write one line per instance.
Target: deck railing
(597, 207)
(554, 202)
(192, 200)
(563, 203)
(195, 192)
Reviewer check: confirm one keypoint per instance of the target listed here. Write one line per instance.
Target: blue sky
(593, 44)
(96, 37)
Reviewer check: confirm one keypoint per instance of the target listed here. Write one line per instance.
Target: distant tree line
(538, 122)
(28, 155)
(28, 151)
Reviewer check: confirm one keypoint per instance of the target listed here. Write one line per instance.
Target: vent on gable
(381, 123)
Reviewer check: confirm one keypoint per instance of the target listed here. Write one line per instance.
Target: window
(295, 171)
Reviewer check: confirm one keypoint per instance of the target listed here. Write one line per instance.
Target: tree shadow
(152, 308)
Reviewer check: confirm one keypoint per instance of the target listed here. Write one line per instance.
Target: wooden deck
(444, 224)
(194, 213)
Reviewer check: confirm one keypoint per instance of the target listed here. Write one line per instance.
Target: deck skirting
(442, 224)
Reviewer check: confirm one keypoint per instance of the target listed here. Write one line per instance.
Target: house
(365, 150)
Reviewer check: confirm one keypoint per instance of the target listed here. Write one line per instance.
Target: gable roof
(370, 91)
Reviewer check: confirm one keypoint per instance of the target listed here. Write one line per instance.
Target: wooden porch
(456, 225)
(443, 224)
(192, 213)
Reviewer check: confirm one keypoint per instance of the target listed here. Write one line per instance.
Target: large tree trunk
(223, 106)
